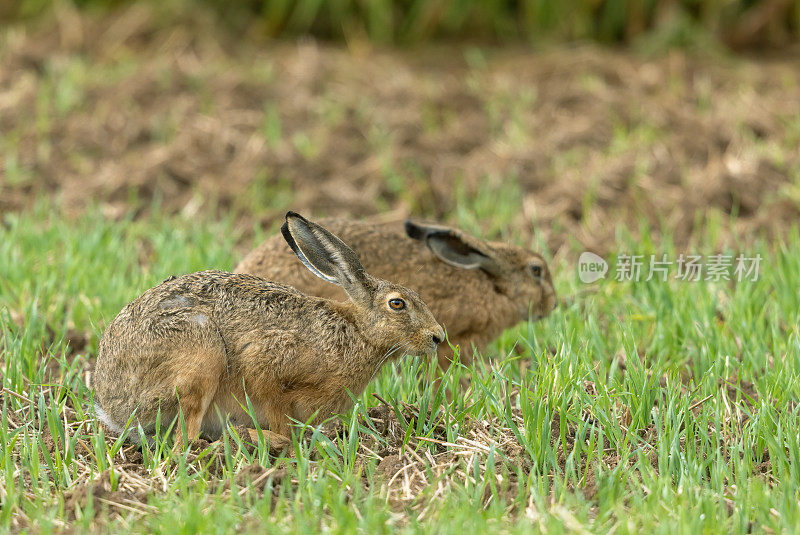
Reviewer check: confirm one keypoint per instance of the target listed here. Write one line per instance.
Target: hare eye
(397, 304)
(536, 271)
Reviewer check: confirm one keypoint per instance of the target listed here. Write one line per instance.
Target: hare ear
(453, 247)
(325, 255)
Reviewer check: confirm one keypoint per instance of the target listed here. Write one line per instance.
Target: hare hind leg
(276, 442)
(197, 379)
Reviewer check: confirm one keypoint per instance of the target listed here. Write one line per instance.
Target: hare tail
(111, 424)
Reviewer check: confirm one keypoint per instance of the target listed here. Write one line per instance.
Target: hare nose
(438, 337)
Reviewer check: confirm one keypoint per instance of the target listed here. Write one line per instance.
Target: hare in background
(475, 288)
(198, 343)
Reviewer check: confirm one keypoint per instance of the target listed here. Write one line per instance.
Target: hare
(475, 288)
(201, 342)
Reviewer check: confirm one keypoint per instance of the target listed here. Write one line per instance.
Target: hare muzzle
(437, 338)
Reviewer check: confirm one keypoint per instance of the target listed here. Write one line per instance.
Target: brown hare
(475, 288)
(200, 342)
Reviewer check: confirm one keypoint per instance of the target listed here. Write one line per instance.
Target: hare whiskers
(392, 352)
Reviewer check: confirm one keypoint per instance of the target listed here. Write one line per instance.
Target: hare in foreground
(202, 341)
(475, 288)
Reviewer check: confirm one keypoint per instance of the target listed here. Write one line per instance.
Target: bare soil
(121, 110)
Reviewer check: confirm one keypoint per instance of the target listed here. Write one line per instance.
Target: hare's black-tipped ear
(316, 265)
(417, 231)
(325, 255)
(454, 247)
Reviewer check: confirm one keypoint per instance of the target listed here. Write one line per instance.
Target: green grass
(643, 408)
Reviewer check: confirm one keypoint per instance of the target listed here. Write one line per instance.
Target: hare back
(385, 251)
(466, 302)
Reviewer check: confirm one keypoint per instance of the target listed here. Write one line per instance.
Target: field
(133, 149)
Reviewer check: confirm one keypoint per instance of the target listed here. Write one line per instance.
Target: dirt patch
(123, 497)
(122, 110)
(740, 390)
(254, 478)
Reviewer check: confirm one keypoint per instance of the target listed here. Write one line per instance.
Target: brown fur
(202, 341)
(474, 305)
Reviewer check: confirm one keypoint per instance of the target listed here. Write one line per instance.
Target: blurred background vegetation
(735, 23)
